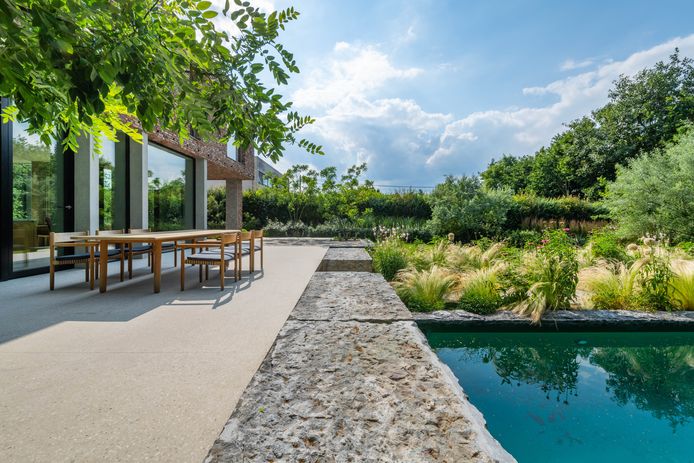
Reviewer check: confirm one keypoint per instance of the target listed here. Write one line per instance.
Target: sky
(420, 89)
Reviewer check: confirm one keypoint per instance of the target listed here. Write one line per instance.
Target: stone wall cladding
(562, 320)
(347, 259)
(350, 378)
(340, 296)
(220, 166)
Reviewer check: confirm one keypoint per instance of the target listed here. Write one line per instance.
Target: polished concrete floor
(130, 375)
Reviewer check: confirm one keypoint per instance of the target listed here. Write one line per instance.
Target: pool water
(579, 397)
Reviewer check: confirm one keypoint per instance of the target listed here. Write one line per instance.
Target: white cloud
(352, 71)
(406, 145)
(523, 130)
(570, 65)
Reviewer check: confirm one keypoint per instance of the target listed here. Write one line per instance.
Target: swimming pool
(579, 397)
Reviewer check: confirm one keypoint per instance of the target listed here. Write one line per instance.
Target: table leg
(156, 263)
(103, 265)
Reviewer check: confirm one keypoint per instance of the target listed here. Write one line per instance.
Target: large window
(171, 189)
(37, 198)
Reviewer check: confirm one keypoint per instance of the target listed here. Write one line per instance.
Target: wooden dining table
(156, 239)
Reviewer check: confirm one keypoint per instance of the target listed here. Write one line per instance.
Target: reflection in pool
(577, 397)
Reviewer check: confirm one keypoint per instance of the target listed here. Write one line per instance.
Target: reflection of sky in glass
(164, 165)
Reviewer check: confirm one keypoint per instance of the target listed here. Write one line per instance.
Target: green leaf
(209, 14)
(226, 7)
(64, 46)
(203, 5)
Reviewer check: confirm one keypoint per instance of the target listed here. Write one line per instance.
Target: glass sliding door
(38, 197)
(171, 189)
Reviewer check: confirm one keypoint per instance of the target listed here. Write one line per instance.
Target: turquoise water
(579, 397)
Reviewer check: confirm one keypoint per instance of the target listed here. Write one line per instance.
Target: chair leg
(149, 259)
(207, 272)
(52, 282)
(130, 265)
(261, 256)
(183, 270)
(176, 258)
(122, 263)
(222, 268)
(200, 271)
(92, 271)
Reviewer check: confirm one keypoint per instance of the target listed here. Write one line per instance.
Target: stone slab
(349, 296)
(562, 320)
(354, 392)
(346, 260)
(316, 241)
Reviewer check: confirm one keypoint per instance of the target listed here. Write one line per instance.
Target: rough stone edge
(623, 320)
(485, 440)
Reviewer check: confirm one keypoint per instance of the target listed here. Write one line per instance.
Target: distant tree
(77, 66)
(644, 112)
(508, 172)
(654, 194)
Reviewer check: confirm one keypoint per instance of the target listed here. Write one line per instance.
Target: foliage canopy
(76, 66)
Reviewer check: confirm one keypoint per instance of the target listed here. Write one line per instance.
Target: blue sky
(420, 89)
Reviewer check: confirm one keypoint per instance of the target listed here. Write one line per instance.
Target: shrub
(656, 277)
(389, 257)
(687, 247)
(461, 206)
(425, 290)
(548, 276)
(522, 238)
(605, 244)
(480, 292)
(653, 194)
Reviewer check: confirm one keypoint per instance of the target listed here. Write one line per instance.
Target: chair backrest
(110, 232)
(245, 235)
(229, 238)
(64, 237)
(257, 233)
(139, 230)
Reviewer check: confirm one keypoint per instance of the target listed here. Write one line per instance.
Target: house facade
(157, 184)
(264, 171)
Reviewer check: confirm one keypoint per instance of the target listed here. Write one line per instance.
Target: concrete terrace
(134, 376)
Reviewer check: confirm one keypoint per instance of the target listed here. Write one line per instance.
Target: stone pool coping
(350, 377)
(561, 320)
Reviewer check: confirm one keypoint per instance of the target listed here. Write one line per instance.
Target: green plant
(427, 256)
(425, 290)
(656, 277)
(463, 258)
(615, 288)
(480, 291)
(652, 195)
(76, 67)
(463, 207)
(681, 289)
(605, 244)
(389, 257)
(522, 238)
(548, 276)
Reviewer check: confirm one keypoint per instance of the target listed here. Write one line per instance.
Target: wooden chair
(65, 240)
(117, 253)
(256, 245)
(138, 249)
(229, 250)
